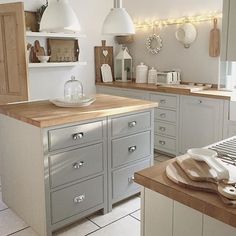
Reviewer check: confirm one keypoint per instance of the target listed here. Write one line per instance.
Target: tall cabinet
(13, 68)
(229, 31)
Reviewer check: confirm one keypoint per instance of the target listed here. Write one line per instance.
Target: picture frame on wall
(31, 21)
(63, 50)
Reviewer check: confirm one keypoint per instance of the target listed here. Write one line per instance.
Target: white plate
(61, 102)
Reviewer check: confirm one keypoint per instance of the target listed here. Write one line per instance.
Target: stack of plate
(85, 101)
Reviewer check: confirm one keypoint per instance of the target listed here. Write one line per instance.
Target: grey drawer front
(131, 148)
(130, 124)
(165, 144)
(164, 101)
(165, 115)
(122, 179)
(72, 165)
(76, 199)
(165, 128)
(66, 137)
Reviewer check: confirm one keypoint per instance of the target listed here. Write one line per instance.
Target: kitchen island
(59, 165)
(169, 209)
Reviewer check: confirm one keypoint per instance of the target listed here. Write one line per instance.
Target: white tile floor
(123, 220)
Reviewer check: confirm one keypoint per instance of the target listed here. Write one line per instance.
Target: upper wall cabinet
(229, 31)
(13, 69)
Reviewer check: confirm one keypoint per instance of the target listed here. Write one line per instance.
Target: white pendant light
(118, 21)
(59, 17)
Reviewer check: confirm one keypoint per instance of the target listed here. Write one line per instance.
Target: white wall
(49, 83)
(195, 62)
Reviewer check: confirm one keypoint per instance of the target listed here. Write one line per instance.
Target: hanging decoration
(160, 23)
(154, 43)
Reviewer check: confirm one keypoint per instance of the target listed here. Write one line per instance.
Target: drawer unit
(72, 165)
(165, 115)
(77, 198)
(123, 179)
(165, 144)
(165, 101)
(75, 135)
(131, 148)
(130, 124)
(163, 128)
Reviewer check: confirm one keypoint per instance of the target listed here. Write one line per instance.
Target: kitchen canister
(152, 76)
(141, 73)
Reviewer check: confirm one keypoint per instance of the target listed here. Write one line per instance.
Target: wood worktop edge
(186, 196)
(216, 94)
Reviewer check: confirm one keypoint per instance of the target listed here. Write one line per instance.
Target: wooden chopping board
(175, 173)
(103, 55)
(200, 171)
(214, 45)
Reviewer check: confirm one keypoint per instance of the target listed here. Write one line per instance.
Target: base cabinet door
(213, 227)
(186, 221)
(157, 214)
(201, 122)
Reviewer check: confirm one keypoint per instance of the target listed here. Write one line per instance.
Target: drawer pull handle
(132, 149)
(78, 136)
(163, 115)
(200, 101)
(132, 124)
(131, 179)
(163, 101)
(77, 165)
(163, 129)
(79, 199)
(162, 142)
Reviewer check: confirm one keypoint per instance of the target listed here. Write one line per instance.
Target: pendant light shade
(59, 17)
(118, 21)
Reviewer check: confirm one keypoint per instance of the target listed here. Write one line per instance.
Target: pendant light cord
(117, 3)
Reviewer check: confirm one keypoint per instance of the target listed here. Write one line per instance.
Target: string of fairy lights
(160, 23)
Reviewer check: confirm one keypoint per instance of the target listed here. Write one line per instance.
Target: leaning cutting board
(214, 45)
(103, 55)
(200, 171)
(175, 173)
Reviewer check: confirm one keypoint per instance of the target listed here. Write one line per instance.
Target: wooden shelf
(53, 35)
(58, 64)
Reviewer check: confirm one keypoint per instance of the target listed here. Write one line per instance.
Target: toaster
(168, 77)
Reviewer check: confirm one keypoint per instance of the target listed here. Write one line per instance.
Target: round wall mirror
(154, 44)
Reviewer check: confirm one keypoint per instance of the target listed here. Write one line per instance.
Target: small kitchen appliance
(168, 77)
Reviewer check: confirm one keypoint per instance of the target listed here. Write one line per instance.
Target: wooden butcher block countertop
(154, 178)
(174, 89)
(45, 114)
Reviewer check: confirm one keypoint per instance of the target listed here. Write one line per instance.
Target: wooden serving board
(175, 173)
(214, 45)
(103, 55)
(200, 171)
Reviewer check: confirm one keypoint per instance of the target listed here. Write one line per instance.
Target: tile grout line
(101, 227)
(134, 218)
(94, 223)
(18, 231)
(4, 209)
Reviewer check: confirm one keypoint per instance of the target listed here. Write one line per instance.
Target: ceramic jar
(141, 73)
(152, 76)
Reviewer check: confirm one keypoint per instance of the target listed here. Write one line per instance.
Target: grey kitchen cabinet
(166, 116)
(229, 31)
(201, 122)
(130, 146)
(71, 171)
(166, 120)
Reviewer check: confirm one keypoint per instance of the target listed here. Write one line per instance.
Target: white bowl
(43, 59)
